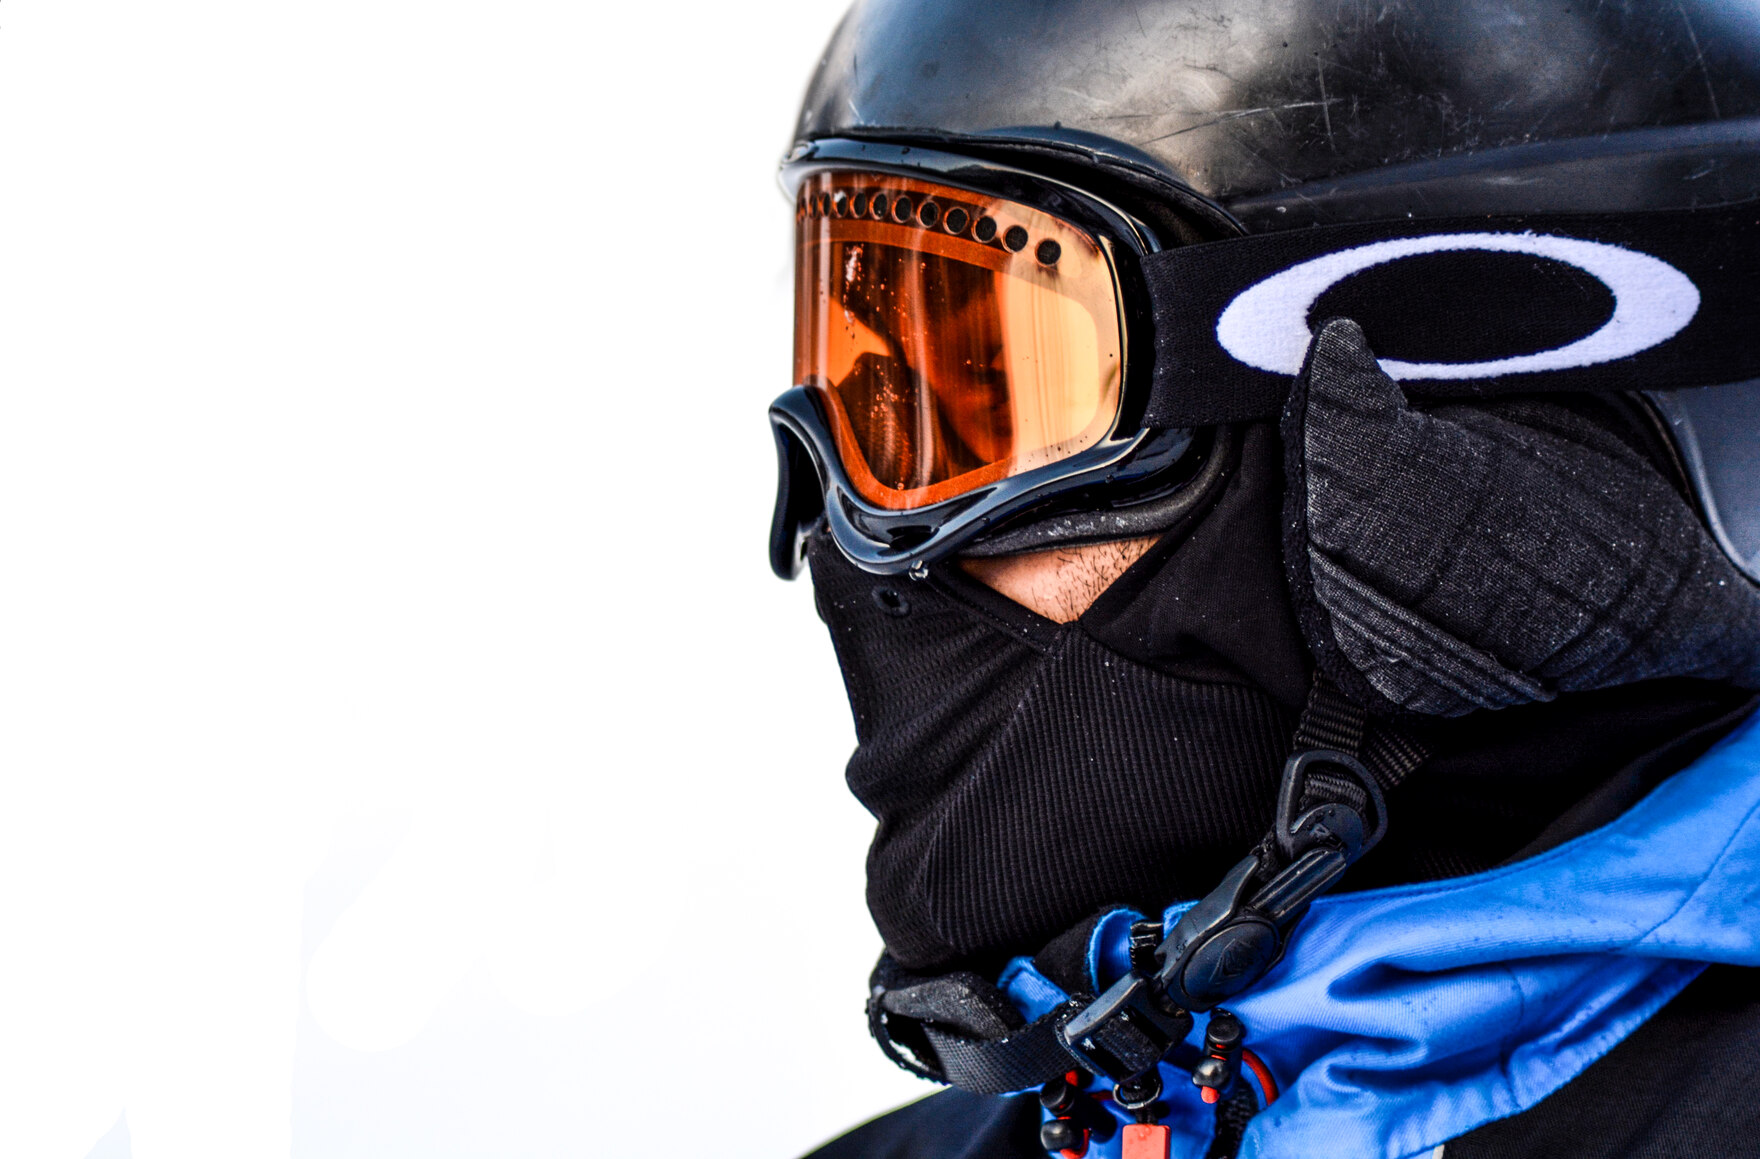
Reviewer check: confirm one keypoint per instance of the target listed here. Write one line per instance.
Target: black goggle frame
(1121, 467)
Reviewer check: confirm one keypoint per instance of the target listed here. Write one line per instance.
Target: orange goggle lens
(955, 339)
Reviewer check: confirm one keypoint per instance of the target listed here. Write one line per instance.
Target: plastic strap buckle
(1126, 1030)
(1338, 791)
(1330, 812)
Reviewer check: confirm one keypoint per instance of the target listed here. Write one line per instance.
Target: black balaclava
(1026, 774)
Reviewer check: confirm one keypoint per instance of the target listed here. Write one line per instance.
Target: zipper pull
(1222, 1056)
(1147, 1141)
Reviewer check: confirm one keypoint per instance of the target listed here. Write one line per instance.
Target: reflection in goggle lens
(955, 339)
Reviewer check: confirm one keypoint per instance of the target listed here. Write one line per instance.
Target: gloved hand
(1483, 555)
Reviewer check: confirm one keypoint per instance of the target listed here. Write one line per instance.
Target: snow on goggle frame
(958, 354)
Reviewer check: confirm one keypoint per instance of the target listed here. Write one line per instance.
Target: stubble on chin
(1062, 583)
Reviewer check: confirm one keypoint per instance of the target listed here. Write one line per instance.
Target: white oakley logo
(1266, 326)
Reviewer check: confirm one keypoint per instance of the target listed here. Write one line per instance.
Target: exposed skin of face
(1059, 584)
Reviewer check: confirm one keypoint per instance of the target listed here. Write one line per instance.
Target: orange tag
(1144, 1141)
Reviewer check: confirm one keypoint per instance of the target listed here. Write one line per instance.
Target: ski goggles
(960, 339)
(970, 354)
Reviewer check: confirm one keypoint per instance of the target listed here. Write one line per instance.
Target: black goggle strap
(1656, 300)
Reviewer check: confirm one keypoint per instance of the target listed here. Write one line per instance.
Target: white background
(404, 750)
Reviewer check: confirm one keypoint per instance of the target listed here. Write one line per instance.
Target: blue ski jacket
(1401, 1018)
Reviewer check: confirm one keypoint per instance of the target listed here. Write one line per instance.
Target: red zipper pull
(1147, 1141)
(1216, 1072)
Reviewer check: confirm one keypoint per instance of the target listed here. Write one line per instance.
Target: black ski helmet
(1286, 113)
(1208, 120)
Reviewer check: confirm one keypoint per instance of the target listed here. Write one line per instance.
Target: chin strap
(961, 1030)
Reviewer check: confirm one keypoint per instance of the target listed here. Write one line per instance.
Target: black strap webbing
(1030, 1057)
(1685, 285)
(1332, 720)
(960, 1029)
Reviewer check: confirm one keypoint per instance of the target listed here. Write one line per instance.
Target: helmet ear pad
(1486, 555)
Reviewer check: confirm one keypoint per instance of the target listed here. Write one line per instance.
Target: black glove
(1483, 555)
